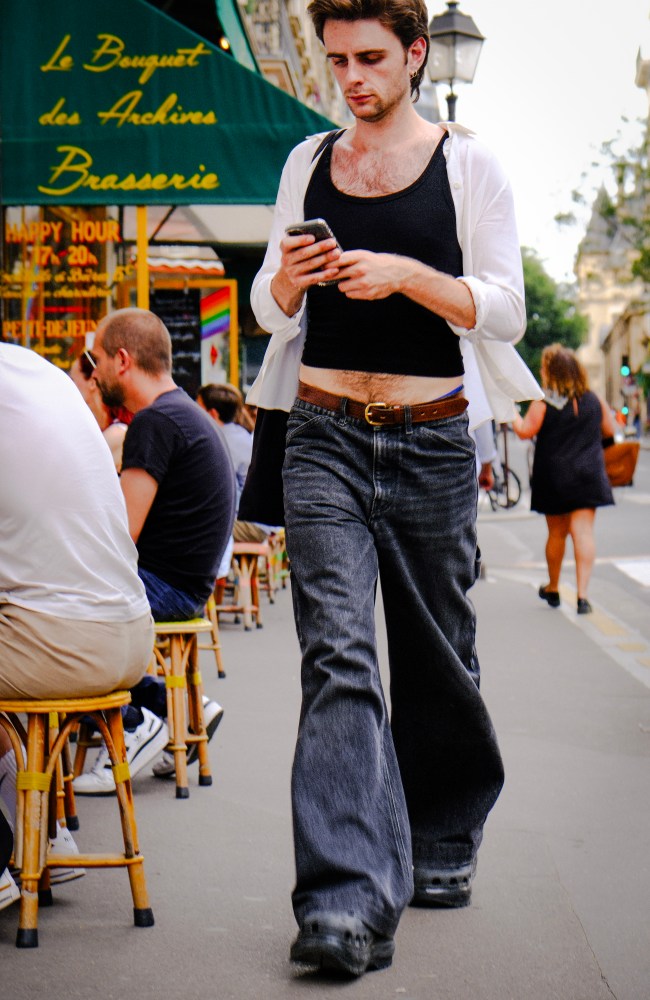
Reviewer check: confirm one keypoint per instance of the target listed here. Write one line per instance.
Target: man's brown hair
(143, 335)
(407, 19)
(562, 372)
(220, 397)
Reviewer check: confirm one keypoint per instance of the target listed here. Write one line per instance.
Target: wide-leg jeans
(372, 798)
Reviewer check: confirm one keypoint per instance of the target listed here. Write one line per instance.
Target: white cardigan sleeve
(493, 272)
(288, 209)
(276, 384)
(487, 233)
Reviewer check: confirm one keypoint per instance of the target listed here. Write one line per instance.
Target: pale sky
(553, 82)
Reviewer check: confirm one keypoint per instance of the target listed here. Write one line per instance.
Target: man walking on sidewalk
(380, 479)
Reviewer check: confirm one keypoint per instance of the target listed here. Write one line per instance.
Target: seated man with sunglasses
(113, 420)
(179, 486)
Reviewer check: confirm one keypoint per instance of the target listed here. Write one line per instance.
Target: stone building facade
(290, 55)
(616, 303)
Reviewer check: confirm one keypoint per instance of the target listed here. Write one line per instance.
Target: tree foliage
(632, 209)
(550, 317)
(625, 166)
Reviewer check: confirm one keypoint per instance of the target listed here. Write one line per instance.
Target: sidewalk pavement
(561, 905)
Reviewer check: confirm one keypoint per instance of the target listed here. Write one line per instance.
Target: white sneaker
(63, 843)
(212, 716)
(142, 746)
(9, 891)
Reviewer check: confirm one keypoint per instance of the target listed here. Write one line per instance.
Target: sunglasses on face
(87, 364)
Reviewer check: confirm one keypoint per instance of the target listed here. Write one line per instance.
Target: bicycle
(506, 491)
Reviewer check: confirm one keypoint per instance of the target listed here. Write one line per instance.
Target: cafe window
(60, 266)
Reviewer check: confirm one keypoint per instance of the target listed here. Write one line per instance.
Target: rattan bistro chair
(214, 642)
(36, 801)
(176, 656)
(246, 558)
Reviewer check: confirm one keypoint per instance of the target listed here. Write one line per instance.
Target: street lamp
(455, 47)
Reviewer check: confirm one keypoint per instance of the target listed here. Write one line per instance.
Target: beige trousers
(46, 657)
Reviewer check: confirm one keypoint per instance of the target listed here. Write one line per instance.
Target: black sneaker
(340, 942)
(448, 887)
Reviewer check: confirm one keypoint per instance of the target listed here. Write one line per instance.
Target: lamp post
(455, 47)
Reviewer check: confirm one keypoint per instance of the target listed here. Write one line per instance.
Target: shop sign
(114, 103)
(57, 280)
(217, 309)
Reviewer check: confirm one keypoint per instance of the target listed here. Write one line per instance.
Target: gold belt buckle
(375, 423)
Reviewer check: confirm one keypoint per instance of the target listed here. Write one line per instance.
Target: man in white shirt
(74, 617)
(380, 481)
(223, 404)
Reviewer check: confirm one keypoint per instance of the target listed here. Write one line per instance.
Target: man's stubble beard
(112, 395)
(383, 107)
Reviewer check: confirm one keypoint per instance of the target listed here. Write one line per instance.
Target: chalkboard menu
(180, 311)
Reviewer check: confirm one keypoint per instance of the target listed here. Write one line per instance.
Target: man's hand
(367, 275)
(304, 263)
(486, 477)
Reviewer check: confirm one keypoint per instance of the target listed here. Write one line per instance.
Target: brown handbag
(620, 462)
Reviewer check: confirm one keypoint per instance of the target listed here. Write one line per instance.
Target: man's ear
(416, 54)
(124, 358)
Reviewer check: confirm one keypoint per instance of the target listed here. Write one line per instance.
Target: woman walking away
(569, 479)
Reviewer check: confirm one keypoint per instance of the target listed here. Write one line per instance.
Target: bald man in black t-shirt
(178, 484)
(189, 522)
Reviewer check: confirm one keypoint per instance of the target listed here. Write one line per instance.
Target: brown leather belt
(382, 414)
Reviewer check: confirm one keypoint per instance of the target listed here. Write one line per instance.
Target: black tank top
(393, 335)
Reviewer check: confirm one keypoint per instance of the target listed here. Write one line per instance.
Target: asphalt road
(561, 906)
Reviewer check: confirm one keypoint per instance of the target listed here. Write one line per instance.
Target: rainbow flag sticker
(215, 313)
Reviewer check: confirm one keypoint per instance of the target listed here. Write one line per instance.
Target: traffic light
(625, 365)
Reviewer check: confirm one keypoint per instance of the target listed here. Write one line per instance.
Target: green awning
(112, 102)
(231, 21)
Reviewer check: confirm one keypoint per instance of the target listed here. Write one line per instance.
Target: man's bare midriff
(369, 387)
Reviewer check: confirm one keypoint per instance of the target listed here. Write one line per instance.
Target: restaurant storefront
(122, 131)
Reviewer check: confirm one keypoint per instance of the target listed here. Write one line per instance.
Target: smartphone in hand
(320, 230)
